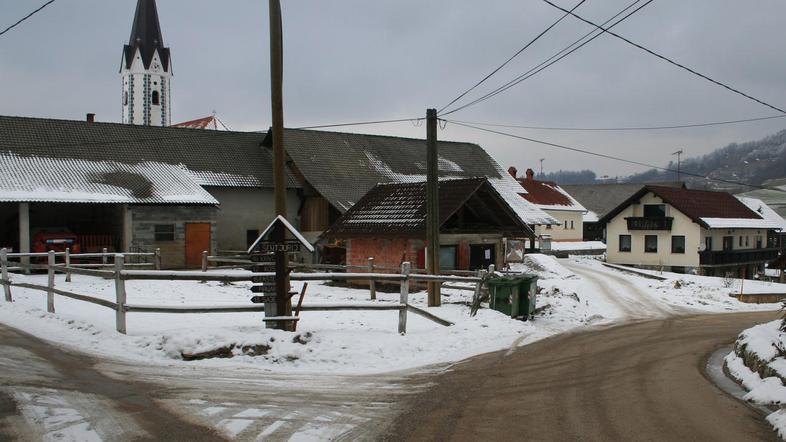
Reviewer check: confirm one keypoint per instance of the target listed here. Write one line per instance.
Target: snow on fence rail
(120, 274)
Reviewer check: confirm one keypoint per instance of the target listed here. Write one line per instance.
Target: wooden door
(481, 256)
(197, 241)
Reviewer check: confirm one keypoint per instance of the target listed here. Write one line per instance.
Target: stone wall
(173, 253)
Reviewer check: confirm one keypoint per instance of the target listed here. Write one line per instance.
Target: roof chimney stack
(513, 171)
(91, 118)
(530, 175)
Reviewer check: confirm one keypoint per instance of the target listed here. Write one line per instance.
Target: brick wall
(386, 252)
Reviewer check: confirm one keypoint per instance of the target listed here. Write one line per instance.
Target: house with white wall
(684, 230)
(556, 202)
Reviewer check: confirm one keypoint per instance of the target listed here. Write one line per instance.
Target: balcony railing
(732, 257)
(649, 223)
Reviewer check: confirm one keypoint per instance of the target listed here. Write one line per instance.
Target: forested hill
(753, 162)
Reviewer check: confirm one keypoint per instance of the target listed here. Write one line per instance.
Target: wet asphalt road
(642, 381)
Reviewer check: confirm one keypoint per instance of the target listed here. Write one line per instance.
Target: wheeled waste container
(513, 295)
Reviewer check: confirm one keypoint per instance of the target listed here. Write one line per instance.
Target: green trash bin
(513, 295)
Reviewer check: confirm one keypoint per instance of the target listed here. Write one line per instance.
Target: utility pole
(432, 206)
(283, 305)
(679, 155)
(541, 167)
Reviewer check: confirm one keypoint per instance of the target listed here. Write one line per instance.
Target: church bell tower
(146, 71)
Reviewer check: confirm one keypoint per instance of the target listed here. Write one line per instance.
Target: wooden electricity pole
(283, 305)
(432, 206)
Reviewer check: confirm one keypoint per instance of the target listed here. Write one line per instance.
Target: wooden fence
(120, 273)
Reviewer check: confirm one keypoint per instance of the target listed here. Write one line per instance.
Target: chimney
(530, 175)
(513, 171)
(91, 118)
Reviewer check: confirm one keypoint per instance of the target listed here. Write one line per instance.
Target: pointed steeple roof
(146, 36)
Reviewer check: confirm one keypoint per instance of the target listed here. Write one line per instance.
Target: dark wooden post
(406, 268)
(432, 206)
(4, 275)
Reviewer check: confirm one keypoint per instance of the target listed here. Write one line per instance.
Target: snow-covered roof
(764, 211)
(739, 223)
(342, 167)
(547, 195)
(590, 217)
(44, 179)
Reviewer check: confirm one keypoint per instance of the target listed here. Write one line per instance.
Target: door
(197, 241)
(481, 256)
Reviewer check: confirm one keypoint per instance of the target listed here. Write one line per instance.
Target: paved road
(640, 381)
(47, 393)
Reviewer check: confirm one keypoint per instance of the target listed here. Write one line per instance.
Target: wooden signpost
(270, 254)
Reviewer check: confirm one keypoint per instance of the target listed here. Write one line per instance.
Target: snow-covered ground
(763, 347)
(575, 293)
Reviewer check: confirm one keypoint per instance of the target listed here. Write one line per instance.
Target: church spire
(146, 70)
(146, 36)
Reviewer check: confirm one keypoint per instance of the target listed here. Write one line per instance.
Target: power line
(531, 42)
(362, 123)
(564, 52)
(664, 58)
(611, 157)
(627, 128)
(28, 16)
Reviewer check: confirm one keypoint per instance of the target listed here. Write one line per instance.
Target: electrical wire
(611, 157)
(564, 52)
(664, 58)
(28, 16)
(361, 123)
(531, 42)
(628, 128)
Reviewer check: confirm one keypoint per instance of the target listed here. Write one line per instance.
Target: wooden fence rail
(121, 307)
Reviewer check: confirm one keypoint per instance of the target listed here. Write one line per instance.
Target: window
(565, 224)
(728, 243)
(654, 210)
(125, 98)
(759, 242)
(548, 226)
(164, 232)
(571, 225)
(747, 241)
(155, 99)
(677, 244)
(651, 244)
(624, 243)
(740, 241)
(251, 236)
(708, 243)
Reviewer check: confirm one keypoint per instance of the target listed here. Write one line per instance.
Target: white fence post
(104, 258)
(157, 259)
(204, 260)
(4, 275)
(372, 285)
(406, 268)
(50, 295)
(120, 294)
(68, 264)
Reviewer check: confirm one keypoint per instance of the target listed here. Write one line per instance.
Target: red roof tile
(544, 193)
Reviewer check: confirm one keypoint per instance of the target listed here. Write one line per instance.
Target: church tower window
(155, 98)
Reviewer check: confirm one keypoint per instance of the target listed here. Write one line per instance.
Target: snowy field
(576, 293)
(765, 347)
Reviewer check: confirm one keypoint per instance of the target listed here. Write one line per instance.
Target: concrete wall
(682, 225)
(243, 209)
(574, 232)
(173, 253)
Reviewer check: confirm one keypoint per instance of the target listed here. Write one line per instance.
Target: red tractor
(57, 241)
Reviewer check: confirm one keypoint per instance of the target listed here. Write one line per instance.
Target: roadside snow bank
(341, 342)
(545, 266)
(757, 362)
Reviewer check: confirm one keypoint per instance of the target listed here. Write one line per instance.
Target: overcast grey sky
(356, 60)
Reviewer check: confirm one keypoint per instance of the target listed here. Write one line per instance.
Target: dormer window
(155, 98)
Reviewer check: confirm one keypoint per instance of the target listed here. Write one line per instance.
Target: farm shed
(389, 223)
(134, 188)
